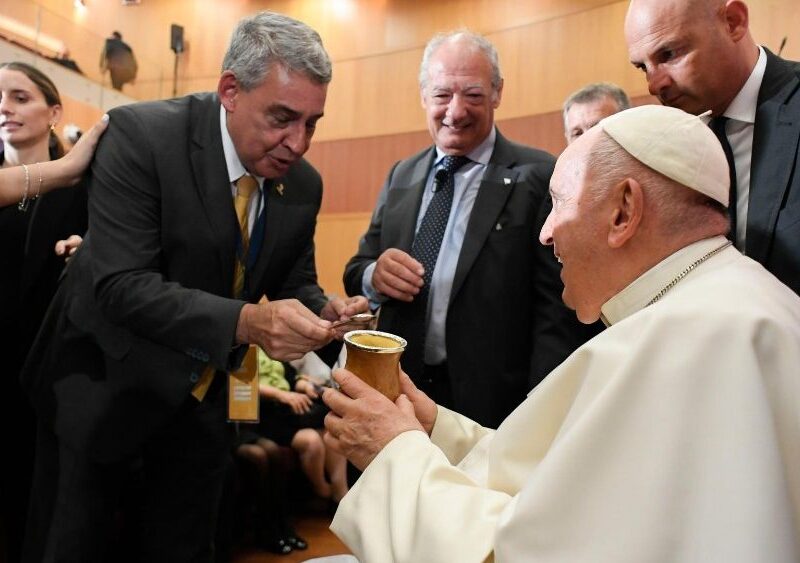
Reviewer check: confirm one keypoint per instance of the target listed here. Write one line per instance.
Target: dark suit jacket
(506, 325)
(146, 304)
(773, 217)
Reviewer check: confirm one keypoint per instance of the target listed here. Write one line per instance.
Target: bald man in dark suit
(699, 56)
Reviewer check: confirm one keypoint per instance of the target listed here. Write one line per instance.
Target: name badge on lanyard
(243, 383)
(243, 390)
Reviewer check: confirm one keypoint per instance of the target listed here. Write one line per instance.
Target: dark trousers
(18, 436)
(435, 383)
(76, 500)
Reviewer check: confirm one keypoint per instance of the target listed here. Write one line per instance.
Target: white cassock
(674, 435)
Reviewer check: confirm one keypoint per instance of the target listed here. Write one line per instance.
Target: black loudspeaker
(176, 38)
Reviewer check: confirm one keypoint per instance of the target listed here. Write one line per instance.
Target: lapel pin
(506, 181)
(279, 189)
(498, 227)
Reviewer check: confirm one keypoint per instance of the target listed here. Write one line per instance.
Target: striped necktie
(246, 186)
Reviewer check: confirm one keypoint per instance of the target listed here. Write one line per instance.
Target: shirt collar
(235, 167)
(743, 106)
(480, 154)
(643, 289)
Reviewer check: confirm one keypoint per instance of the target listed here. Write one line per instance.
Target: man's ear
(627, 206)
(227, 89)
(736, 19)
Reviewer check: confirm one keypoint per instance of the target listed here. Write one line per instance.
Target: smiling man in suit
(450, 255)
(199, 207)
(699, 55)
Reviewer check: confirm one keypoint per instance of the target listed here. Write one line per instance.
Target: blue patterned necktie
(429, 237)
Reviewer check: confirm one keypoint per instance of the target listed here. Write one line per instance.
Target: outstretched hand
(286, 329)
(362, 420)
(338, 309)
(79, 157)
(68, 247)
(397, 275)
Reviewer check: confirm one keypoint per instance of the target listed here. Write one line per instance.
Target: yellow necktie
(246, 186)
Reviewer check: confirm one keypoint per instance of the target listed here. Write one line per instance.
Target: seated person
(63, 58)
(266, 467)
(289, 418)
(673, 435)
(296, 418)
(313, 368)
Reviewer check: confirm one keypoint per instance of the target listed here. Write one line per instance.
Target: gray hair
(680, 209)
(479, 43)
(266, 38)
(597, 91)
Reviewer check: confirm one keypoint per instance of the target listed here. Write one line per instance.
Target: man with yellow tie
(199, 207)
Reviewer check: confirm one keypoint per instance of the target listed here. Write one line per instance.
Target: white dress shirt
(236, 170)
(741, 114)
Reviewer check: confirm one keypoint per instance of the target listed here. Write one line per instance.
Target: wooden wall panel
(373, 96)
(771, 20)
(547, 47)
(541, 64)
(354, 169)
(336, 241)
(350, 28)
(79, 113)
(542, 61)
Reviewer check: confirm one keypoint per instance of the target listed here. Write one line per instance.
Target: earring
(52, 127)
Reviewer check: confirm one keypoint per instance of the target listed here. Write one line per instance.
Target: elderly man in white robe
(674, 435)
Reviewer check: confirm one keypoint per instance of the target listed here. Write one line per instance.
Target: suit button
(194, 378)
